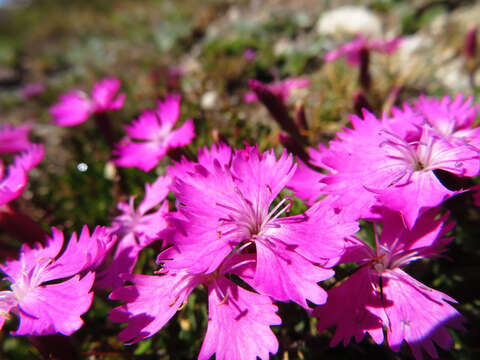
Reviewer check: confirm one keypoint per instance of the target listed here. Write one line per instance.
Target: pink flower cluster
(230, 230)
(225, 225)
(388, 171)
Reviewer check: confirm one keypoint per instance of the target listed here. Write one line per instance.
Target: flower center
(31, 279)
(249, 222)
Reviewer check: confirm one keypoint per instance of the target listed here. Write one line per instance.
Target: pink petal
(294, 279)
(238, 323)
(155, 194)
(145, 127)
(14, 139)
(181, 136)
(103, 94)
(306, 183)
(144, 156)
(12, 185)
(73, 108)
(55, 308)
(419, 315)
(124, 260)
(347, 309)
(424, 191)
(150, 302)
(85, 253)
(31, 157)
(169, 109)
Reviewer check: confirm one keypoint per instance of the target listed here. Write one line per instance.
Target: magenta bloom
(380, 294)
(45, 308)
(249, 54)
(306, 183)
(229, 205)
(14, 139)
(14, 182)
(373, 166)
(452, 119)
(352, 50)
(281, 88)
(238, 323)
(155, 129)
(31, 90)
(75, 107)
(470, 49)
(135, 229)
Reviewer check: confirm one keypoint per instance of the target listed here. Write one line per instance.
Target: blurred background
(206, 51)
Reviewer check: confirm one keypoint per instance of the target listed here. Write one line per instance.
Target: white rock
(413, 45)
(283, 47)
(453, 76)
(466, 16)
(209, 100)
(349, 20)
(110, 171)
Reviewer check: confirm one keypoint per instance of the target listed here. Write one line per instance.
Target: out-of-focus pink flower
(249, 54)
(135, 229)
(75, 106)
(282, 88)
(14, 182)
(380, 294)
(155, 128)
(352, 50)
(14, 139)
(31, 90)
(45, 308)
(470, 49)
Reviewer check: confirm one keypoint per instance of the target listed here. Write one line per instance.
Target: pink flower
(14, 182)
(225, 206)
(155, 128)
(135, 230)
(452, 119)
(307, 183)
(249, 54)
(14, 139)
(282, 88)
(31, 90)
(239, 320)
(45, 308)
(380, 294)
(75, 107)
(373, 166)
(352, 50)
